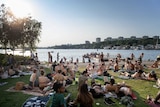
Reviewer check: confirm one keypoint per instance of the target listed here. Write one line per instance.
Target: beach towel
(110, 95)
(37, 101)
(123, 77)
(35, 92)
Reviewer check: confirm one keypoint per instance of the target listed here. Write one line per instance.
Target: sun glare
(20, 8)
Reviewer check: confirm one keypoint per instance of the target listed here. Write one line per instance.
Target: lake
(78, 53)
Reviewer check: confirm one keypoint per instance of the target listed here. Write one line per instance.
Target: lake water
(78, 53)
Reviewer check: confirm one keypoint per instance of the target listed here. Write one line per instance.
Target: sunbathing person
(111, 87)
(150, 76)
(89, 67)
(125, 90)
(57, 68)
(58, 77)
(12, 71)
(129, 67)
(93, 72)
(96, 89)
(138, 73)
(102, 69)
(155, 64)
(43, 80)
(110, 65)
(116, 66)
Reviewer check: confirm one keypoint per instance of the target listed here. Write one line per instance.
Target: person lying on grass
(125, 90)
(96, 89)
(150, 76)
(119, 89)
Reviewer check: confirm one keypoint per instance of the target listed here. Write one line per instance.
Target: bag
(128, 101)
(19, 86)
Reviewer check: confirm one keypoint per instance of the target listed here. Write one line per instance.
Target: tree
(6, 17)
(31, 32)
(18, 32)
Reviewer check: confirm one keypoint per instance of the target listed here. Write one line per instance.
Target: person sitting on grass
(43, 80)
(83, 79)
(101, 69)
(111, 87)
(116, 66)
(84, 97)
(58, 99)
(32, 79)
(155, 64)
(59, 77)
(12, 71)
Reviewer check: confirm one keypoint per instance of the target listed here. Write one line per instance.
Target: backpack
(128, 101)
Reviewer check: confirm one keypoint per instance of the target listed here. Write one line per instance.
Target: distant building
(155, 37)
(145, 37)
(133, 37)
(98, 40)
(87, 42)
(108, 39)
(120, 38)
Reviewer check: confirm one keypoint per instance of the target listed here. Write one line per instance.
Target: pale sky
(75, 21)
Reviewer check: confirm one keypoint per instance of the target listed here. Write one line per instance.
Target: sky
(75, 21)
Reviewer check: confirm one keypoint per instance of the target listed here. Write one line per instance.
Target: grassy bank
(141, 88)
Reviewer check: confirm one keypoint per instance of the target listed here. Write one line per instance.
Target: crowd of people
(63, 73)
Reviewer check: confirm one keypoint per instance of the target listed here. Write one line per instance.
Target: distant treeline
(101, 45)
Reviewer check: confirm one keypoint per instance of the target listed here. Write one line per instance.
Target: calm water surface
(78, 53)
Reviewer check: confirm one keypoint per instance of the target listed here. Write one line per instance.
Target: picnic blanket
(35, 91)
(37, 101)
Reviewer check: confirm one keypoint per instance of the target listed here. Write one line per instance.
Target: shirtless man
(43, 80)
(116, 66)
(59, 78)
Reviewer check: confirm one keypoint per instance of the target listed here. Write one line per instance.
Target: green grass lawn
(141, 88)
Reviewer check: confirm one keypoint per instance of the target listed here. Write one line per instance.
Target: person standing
(140, 57)
(57, 56)
(49, 58)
